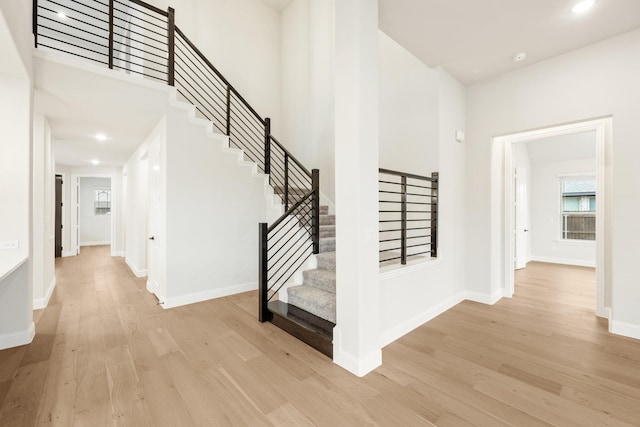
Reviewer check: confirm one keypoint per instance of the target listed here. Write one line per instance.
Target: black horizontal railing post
(111, 34)
(267, 145)
(264, 314)
(434, 214)
(403, 219)
(315, 185)
(171, 46)
(286, 182)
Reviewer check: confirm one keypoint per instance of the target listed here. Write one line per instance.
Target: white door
(521, 232)
(155, 236)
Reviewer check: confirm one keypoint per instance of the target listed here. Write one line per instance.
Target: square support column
(357, 333)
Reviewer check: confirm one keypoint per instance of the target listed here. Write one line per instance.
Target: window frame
(561, 212)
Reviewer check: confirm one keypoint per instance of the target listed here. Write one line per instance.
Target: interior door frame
(75, 203)
(604, 136)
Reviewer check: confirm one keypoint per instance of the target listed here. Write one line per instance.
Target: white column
(356, 335)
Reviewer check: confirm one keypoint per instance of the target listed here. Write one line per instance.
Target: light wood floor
(106, 354)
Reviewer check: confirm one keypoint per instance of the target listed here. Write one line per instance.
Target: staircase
(140, 39)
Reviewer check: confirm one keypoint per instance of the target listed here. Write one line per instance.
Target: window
(578, 208)
(102, 201)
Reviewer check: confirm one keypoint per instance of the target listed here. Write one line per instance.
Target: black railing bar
(239, 119)
(419, 228)
(419, 219)
(250, 145)
(74, 45)
(141, 57)
(163, 79)
(202, 66)
(66, 8)
(304, 179)
(294, 180)
(419, 245)
(387, 231)
(294, 264)
(389, 192)
(203, 71)
(139, 34)
(146, 69)
(418, 194)
(408, 175)
(420, 203)
(57, 21)
(419, 253)
(302, 237)
(204, 58)
(138, 48)
(389, 201)
(298, 168)
(248, 152)
(199, 98)
(70, 53)
(419, 186)
(130, 15)
(393, 211)
(55, 30)
(239, 109)
(389, 182)
(390, 240)
(291, 209)
(199, 106)
(283, 283)
(389, 259)
(291, 156)
(132, 25)
(389, 250)
(240, 104)
(285, 227)
(208, 98)
(147, 6)
(426, 236)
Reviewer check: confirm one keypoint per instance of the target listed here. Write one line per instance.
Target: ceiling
(573, 146)
(477, 39)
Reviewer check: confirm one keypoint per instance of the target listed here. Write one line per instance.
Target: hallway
(106, 354)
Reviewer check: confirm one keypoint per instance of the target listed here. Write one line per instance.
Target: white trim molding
(40, 303)
(205, 295)
(565, 261)
(17, 339)
(624, 329)
(68, 254)
(136, 272)
(359, 366)
(489, 299)
(103, 243)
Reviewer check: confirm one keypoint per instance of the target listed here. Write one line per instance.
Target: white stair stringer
(275, 207)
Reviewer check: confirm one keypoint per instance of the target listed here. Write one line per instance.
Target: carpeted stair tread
(327, 231)
(321, 279)
(313, 300)
(327, 244)
(327, 261)
(327, 219)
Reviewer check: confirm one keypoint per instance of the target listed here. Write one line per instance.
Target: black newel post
(171, 46)
(34, 23)
(110, 34)
(315, 222)
(228, 110)
(434, 214)
(263, 285)
(403, 220)
(267, 146)
(286, 181)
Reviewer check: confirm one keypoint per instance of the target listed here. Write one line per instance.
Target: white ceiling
(477, 39)
(574, 146)
(82, 100)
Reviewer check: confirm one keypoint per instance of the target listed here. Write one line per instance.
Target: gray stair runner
(317, 294)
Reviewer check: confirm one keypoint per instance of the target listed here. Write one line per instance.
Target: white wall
(546, 242)
(94, 229)
(599, 80)
(413, 295)
(307, 82)
(408, 110)
(16, 106)
(43, 213)
(242, 39)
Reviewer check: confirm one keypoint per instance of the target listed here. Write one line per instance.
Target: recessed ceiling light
(583, 6)
(95, 162)
(62, 15)
(101, 137)
(520, 56)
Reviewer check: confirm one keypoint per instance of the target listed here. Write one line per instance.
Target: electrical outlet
(9, 244)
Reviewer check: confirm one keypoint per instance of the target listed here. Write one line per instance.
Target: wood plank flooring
(106, 354)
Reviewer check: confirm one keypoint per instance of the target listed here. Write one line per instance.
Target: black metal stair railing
(408, 216)
(142, 40)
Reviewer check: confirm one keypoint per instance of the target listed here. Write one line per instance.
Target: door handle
(525, 230)
(152, 238)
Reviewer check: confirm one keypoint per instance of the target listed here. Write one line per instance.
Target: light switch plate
(459, 136)
(9, 244)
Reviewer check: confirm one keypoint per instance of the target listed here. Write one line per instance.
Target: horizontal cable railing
(285, 245)
(408, 209)
(143, 40)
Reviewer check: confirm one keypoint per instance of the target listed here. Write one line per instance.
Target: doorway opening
(91, 219)
(515, 226)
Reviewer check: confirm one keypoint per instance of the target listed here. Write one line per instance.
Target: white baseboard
(137, 272)
(104, 243)
(484, 298)
(40, 303)
(18, 338)
(207, 295)
(118, 253)
(624, 329)
(357, 366)
(68, 253)
(404, 328)
(565, 261)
